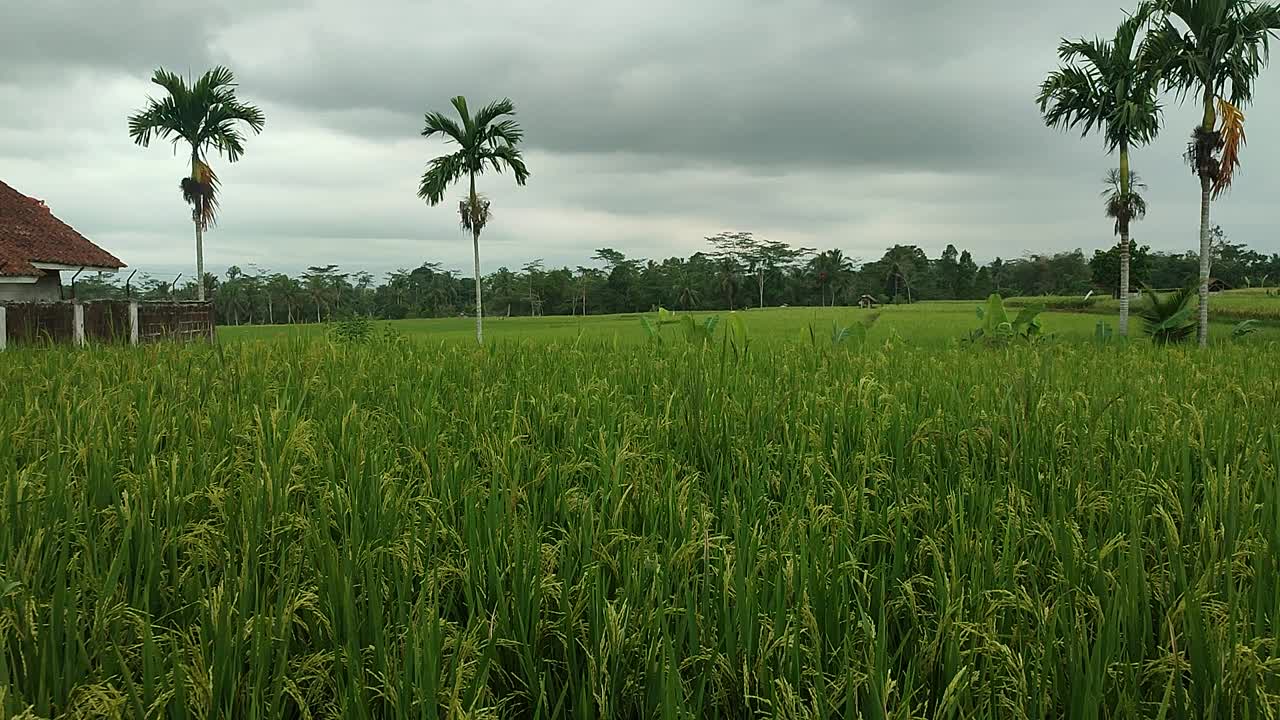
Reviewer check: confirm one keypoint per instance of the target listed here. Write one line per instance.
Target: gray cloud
(821, 122)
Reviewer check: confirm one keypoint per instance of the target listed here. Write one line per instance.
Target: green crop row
(535, 530)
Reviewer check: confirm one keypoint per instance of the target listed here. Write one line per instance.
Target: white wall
(47, 288)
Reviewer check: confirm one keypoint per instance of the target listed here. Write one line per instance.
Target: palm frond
(493, 111)
(441, 173)
(201, 192)
(1168, 318)
(1231, 130)
(439, 124)
(1120, 206)
(468, 125)
(509, 156)
(1107, 86)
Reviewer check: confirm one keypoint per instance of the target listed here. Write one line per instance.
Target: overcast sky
(853, 124)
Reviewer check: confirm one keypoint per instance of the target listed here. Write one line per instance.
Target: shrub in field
(1244, 329)
(855, 334)
(998, 329)
(352, 331)
(1169, 318)
(694, 332)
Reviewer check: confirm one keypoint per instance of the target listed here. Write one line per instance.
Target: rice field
(1262, 304)
(577, 528)
(925, 324)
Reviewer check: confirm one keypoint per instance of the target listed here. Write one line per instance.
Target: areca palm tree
(487, 140)
(1109, 86)
(204, 115)
(1213, 51)
(1124, 203)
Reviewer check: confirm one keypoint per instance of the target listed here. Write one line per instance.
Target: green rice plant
(569, 529)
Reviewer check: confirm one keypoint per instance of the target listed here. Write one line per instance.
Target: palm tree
(1216, 50)
(830, 266)
(487, 140)
(204, 115)
(1124, 203)
(1111, 86)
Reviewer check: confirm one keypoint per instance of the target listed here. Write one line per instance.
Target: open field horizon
(925, 323)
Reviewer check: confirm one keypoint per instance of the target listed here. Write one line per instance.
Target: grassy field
(568, 525)
(929, 324)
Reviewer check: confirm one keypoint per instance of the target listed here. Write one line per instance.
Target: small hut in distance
(866, 302)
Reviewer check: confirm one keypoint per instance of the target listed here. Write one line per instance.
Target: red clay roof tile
(29, 233)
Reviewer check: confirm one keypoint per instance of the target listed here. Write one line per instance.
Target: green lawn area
(921, 324)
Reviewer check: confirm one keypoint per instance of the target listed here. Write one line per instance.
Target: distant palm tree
(1211, 49)
(1111, 86)
(686, 288)
(204, 115)
(487, 140)
(1124, 203)
(830, 267)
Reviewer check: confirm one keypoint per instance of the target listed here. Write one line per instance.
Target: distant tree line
(737, 271)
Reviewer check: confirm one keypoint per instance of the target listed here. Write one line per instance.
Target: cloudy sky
(829, 123)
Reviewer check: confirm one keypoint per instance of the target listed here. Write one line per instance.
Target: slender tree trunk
(199, 262)
(195, 219)
(762, 290)
(1124, 241)
(271, 312)
(1202, 326)
(475, 246)
(1202, 329)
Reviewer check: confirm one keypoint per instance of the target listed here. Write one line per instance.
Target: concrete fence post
(133, 322)
(77, 324)
(4, 327)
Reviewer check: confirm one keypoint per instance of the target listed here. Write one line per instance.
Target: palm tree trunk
(1124, 242)
(1202, 326)
(199, 262)
(762, 290)
(475, 246)
(196, 218)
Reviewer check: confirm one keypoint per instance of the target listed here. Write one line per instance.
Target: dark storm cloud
(649, 126)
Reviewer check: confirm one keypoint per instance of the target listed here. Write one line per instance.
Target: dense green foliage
(699, 282)
(566, 529)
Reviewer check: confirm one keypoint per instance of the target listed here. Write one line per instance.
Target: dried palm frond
(474, 218)
(201, 192)
(1231, 130)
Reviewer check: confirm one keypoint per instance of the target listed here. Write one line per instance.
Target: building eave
(61, 266)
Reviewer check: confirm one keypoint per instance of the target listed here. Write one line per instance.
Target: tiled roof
(29, 233)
